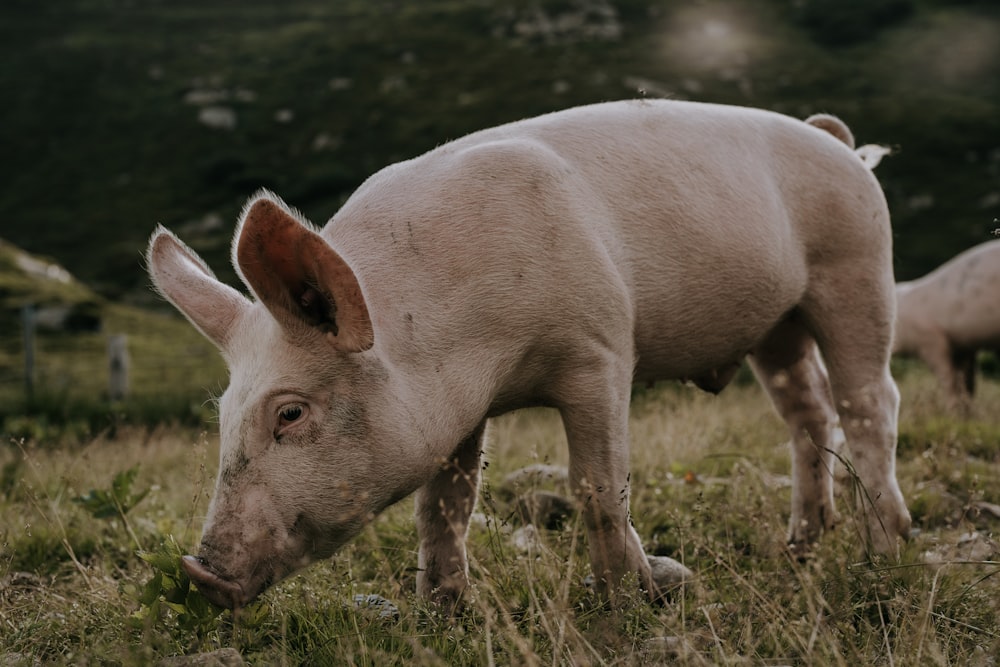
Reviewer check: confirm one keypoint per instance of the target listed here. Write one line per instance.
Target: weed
(115, 501)
(170, 587)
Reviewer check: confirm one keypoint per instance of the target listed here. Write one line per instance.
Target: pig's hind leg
(964, 361)
(789, 367)
(444, 506)
(953, 368)
(849, 311)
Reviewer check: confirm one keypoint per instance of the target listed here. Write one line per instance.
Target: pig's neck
(431, 408)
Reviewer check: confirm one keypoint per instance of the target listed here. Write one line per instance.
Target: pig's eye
(289, 414)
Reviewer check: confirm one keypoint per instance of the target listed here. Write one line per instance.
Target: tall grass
(709, 488)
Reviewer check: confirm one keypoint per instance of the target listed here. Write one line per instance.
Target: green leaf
(199, 606)
(151, 591)
(162, 562)
(177, 607)
(116, 501)
(254, 614)
(98, 503)
(137, 619)
(122, 482)
(176, 595)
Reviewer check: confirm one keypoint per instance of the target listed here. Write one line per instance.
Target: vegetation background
(121, 114)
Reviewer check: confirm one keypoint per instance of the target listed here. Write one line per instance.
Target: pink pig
(552, 262)
(950, 314)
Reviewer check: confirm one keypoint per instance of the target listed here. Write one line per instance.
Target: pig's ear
(181, 276)
(298, 276)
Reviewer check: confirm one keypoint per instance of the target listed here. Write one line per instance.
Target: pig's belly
(708, 337)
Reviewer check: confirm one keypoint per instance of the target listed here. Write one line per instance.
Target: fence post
(28, 327)
(118, 367)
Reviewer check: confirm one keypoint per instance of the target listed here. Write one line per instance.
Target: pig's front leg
(598, 468)
(443, 508)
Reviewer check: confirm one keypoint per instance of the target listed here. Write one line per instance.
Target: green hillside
(172, 368)
(120, 114)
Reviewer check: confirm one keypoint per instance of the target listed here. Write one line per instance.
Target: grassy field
(103, 140)
(710, 488)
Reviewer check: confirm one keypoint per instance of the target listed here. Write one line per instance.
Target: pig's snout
(220, 592)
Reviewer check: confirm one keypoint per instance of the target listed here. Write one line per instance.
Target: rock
(980, 658)
(376, 606)
(217, 118)
(224, 657)
(544, 509)
(969, 547)
(339, 83)
(659, 649)
(668, 573)
(976, 546)
(26, 580)
(533, 476)
(592, 20)
(526, 540)
(84, 316)
(324, 141)
(205, 97)
(207, 224)
(983, 508)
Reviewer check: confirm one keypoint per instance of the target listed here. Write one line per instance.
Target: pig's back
(964, 296)
(670, 217)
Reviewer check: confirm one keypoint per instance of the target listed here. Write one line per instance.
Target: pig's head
(299, 474)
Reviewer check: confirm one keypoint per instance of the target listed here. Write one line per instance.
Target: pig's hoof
(801, 550)
(888, 523)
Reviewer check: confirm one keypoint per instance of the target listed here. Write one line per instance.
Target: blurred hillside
(119, 114)
(171, 367)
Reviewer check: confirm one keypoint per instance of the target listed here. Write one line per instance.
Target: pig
(552, 261)
(950, 314)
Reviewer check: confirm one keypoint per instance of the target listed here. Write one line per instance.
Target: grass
(709, 488)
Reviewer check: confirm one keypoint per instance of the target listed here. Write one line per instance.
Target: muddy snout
(219, 591)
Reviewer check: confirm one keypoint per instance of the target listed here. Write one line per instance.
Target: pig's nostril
(218, 591)
(194, 562)
(197, 568)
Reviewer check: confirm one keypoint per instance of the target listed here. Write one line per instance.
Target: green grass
(709, 488)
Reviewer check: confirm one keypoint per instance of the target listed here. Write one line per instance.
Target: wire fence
(98, 367)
